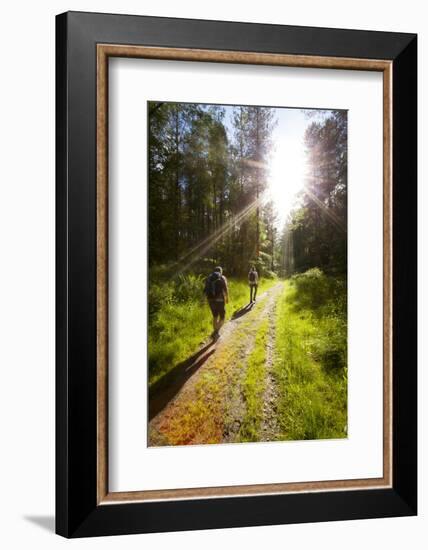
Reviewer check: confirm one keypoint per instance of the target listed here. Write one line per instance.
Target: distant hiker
(217, 295)
(253, 281)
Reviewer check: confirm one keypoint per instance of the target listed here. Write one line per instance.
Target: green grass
(254, 386)
(310, 367)
(180, 319)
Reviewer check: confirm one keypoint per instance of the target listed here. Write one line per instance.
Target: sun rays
(288, 182)
(287, 172)
(207, 244)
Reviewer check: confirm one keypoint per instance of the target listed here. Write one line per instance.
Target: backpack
(252, 276)
(213, 286)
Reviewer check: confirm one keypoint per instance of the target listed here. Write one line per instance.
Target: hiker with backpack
(253, 281)
(217, 295)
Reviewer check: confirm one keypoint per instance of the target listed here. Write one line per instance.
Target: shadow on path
(242, 311)
(161, 393)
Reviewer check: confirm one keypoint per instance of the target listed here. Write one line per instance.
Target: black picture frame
(77, 511)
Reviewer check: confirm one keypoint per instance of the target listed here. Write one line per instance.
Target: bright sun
(286, 176)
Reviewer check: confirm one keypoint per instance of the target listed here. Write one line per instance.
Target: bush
(325, 298)
(186, 288)
(189, 288)
(330, 349)
(159, 295)
(320, 292)
(269, 274)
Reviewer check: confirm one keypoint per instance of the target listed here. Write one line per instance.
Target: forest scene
(247, 259)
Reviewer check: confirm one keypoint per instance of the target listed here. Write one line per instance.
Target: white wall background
(27, 272)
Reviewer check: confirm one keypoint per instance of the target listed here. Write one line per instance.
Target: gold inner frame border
(104, 52)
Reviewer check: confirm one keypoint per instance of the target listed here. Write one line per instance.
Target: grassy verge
(254, 386)
(180, 319)
(310, 367)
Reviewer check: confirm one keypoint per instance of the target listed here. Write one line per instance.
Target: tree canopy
(208, 173)
(316, 233)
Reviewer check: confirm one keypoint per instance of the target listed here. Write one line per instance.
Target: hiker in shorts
(217, 295)
(253, 281)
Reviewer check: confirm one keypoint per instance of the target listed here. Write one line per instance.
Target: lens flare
(287, 172)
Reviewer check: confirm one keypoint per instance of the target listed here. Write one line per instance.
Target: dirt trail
(202, 402)
(269, 428)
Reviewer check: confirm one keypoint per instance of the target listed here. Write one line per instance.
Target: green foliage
(311, 367)
(202, 177)
(326, 298)
(317, 229)
(322, 293)
(160, 295)
(188, 288)
(185, 288)
(270, 274)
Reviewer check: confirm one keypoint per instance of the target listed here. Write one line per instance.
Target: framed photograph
(236, 274)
